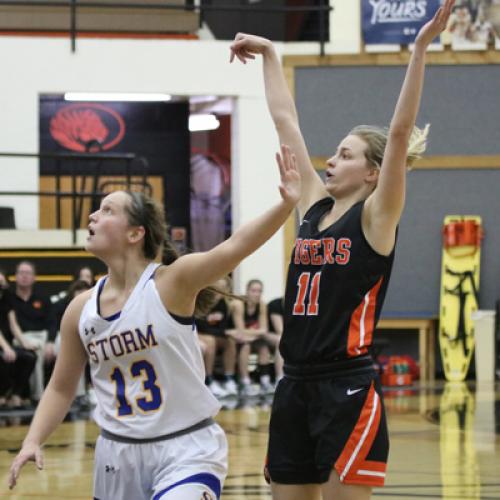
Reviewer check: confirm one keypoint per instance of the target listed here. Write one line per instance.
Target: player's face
(348, 170)
(108, 226)
(254, 293)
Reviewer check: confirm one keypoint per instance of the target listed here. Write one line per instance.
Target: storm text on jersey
(121, 343)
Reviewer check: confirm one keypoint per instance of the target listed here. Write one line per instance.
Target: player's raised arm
(283, 111)
(385, 205)
(195, 271)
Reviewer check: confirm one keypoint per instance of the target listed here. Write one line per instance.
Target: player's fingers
(281, 167)
(437, 15)
(14, 471)
(39, 459)
(247, 54)
(240, 57)
(238, 44)
(285, 153)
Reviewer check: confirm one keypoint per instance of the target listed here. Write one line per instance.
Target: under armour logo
(91, 331)
(110, 468)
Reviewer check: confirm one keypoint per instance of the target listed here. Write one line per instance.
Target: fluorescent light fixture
(203, 122)
(115, 96)
(197, 99)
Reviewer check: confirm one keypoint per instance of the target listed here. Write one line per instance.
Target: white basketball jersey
(146, 367)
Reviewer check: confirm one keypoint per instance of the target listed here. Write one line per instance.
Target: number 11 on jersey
(309, 287)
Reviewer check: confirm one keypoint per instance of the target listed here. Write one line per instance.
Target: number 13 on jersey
(307, 287)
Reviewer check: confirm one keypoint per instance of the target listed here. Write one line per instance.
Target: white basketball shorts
(189, 467)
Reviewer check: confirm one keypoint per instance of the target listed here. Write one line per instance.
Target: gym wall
(461, 104)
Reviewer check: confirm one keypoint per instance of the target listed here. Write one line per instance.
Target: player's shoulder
(166, 273)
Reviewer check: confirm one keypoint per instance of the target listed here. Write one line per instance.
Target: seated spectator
(212, 336)
(75, 288)
(82, 399)
(250, 332)
(16, 362)
(85, 273)
(35, 317)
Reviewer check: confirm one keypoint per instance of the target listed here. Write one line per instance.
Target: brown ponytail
(146, 212)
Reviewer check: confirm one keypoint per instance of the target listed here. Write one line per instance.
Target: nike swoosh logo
(354, 391)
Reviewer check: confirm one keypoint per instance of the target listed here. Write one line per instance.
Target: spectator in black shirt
(16, 363)
(35, 317)
(212, 335)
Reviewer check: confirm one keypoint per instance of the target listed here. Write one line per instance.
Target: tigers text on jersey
(147, 368)
(335, 288)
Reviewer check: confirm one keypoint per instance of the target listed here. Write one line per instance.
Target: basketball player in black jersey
(328, 434)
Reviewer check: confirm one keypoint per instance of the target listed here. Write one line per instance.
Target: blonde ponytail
(417, 144)
(376, 140)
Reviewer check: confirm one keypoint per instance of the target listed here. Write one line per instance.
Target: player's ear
(136, 234)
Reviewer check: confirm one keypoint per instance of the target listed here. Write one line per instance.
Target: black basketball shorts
(336, 422)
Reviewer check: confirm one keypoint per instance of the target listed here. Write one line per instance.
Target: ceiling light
(203, 122)
(114, 96)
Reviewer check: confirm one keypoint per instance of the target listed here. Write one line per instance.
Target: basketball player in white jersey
(136, 329)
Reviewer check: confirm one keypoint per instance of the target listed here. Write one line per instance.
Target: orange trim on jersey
(352, 466)
(362, 323)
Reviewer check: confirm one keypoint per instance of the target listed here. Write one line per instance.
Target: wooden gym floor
(445, 443)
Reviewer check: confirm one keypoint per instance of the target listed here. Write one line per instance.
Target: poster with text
(395, 21)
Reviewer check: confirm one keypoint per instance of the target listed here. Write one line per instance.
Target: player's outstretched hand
(291, 185)
(436, 25)
(29, 452)
(245, 46)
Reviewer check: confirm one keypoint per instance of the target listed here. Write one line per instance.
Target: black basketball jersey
(335, 288)
(216, 321)
(252, 319)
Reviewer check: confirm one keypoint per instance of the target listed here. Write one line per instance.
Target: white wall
(31, 66)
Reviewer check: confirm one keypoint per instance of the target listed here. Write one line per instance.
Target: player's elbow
(285, 120)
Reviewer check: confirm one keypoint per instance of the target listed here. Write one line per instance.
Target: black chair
(7, 220)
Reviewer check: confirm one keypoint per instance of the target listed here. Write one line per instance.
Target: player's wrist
(31, 443)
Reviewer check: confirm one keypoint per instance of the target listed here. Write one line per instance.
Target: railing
(78, 196)
(189, 5)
